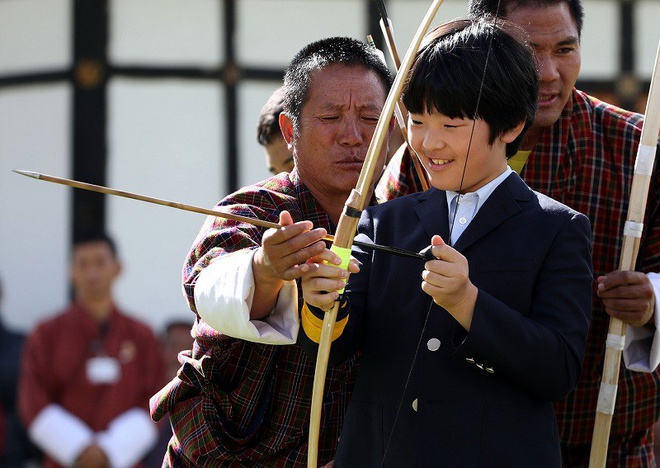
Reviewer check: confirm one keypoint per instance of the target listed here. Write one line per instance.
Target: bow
(400, 111)
(632, 232)
(348, 224)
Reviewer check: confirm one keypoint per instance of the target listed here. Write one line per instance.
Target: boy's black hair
(481, 8)
(319, 55)
(450, 75)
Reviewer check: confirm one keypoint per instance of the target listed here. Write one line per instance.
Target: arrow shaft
(196, 209)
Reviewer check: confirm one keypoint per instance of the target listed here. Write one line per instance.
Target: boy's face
(443, 143)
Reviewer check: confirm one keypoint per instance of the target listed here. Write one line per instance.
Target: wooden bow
(632, 233)
(400, 111)
(348, 225)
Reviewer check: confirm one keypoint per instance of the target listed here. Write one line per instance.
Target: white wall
(166, 137)
(35, 35)
(34, 215)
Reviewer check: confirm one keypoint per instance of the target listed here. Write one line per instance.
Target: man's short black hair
(95, 235)
(319, 55)
(175, 323)
(450, 75)
(268, 126)
(481, 8)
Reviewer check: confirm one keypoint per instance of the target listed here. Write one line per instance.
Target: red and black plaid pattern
(237, 403)
(586, 161)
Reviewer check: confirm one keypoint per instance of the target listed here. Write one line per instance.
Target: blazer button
(469, 360)
(490, 370)
(433, 344)
(480, 366)
(414, 405)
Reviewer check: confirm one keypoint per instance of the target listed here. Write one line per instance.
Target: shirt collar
(484, 192)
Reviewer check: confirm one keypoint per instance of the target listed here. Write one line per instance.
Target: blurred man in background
(278, 153)
(87, 373)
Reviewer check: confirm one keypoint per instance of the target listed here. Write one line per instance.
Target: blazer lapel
(500, 206)
(433, 213)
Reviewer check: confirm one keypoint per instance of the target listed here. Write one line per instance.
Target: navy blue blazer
(482, 398)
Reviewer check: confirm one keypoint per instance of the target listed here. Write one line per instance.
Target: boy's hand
(322, 279)
(447, 281)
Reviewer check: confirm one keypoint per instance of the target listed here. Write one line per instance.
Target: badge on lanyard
(103, 370)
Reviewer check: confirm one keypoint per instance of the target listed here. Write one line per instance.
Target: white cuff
(62, 435)
(642, 350)
(223, 297)
(128, 438)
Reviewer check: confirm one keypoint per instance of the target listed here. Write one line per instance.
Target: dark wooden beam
(90, 24)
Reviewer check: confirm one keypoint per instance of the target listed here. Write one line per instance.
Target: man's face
(553, 34)
(336, 126)
(278, 156)
(93, 270)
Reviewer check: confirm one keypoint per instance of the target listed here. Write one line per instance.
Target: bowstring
(451, 226)
(474, 122)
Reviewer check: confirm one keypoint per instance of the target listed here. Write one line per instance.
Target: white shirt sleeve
(223, 297)
(642, 350)
(61, 434)
(128, 438)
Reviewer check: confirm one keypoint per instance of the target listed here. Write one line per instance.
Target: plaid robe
(586, 161)
(54, 368)
(238, 403)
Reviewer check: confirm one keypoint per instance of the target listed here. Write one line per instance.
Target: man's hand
(282, 257)
(284, 251)
(92, 457)
(628, 296)
(447, 281)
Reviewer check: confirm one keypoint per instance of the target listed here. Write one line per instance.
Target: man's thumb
(285, 218)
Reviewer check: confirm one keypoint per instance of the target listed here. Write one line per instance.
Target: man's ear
(119, 268)
(286, 126)
(512, 134)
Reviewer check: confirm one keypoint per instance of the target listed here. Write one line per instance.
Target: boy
(467, 376)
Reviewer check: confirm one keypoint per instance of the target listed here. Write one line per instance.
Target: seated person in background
(15, 448)
(175, 338)
(462, 369)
